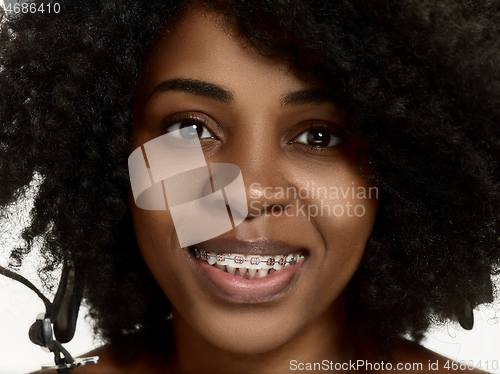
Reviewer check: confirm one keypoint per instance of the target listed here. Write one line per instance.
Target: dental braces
(238, 260)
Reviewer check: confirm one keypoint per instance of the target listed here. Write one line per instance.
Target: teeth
(211, 260)
(222, 259)
(222, 267)
(257, 266)
(268, 263)
(252, 272)
(230, 269)
(238, 261)
(253, 261)
(263, 272)
(279, 262)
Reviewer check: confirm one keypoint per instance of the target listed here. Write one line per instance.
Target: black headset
(62, 314)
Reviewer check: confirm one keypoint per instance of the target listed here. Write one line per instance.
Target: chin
(246, 342)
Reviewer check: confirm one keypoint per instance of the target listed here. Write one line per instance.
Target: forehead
(201, 46)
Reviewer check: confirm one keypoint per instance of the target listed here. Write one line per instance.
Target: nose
(268, 198)
(268, 180)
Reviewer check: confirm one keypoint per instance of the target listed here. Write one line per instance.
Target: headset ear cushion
(36, 333)
(65, 323)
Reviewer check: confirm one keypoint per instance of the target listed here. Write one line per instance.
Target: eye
(318, 137)
(190, 129)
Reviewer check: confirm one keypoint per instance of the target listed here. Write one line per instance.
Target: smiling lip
(235, 289)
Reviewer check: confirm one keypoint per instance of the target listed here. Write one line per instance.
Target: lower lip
(240, 290)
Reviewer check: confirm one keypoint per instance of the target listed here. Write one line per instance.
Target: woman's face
(301, 181)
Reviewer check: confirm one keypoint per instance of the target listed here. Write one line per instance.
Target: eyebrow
(194, 87)
(213, 91)
(303, 97)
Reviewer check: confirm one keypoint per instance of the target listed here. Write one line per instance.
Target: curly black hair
(419, 81)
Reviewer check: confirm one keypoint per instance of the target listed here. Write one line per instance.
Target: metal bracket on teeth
(240, 259)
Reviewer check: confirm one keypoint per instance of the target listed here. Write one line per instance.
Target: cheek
(157, 242)
(343, 210)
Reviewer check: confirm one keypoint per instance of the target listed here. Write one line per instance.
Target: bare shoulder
(418, 359)
(109, 365)
(106, 364)
(407, 357)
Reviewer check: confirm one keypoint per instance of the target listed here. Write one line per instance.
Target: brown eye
(319, 137)
(190, 129)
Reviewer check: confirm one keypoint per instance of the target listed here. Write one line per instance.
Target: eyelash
(180, 118)
(199, 120)
(319, 126)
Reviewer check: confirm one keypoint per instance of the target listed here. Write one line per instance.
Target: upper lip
(262, 246)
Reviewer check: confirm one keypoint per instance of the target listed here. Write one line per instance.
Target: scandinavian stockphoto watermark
(25, 6)
(204, 200)
(354, 365)
(311, 201)
(364, 366)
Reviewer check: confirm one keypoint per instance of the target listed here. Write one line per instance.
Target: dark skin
(406, 353)
(253, 121)
(257, 124)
